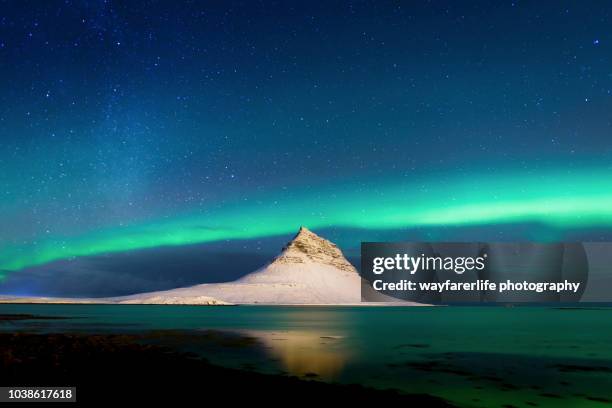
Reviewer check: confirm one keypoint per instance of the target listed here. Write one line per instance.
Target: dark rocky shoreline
(119, 368)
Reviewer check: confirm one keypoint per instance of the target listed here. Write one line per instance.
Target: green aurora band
(562, 199)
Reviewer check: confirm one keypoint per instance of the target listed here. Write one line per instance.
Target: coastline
(108, 301)
(132, 370)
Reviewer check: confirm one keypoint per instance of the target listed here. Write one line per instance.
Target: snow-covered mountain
(309, 270)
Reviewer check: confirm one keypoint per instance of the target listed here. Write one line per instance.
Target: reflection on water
(304, 353)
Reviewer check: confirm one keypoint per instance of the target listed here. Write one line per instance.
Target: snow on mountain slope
(309, 270)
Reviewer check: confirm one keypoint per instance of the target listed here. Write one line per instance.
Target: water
(471, 356)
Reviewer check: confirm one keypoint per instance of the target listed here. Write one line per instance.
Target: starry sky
(143, 143)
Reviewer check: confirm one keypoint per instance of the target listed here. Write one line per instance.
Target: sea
(527, 356)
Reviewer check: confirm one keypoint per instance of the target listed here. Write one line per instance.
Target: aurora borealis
(135, 125)
(578, 202)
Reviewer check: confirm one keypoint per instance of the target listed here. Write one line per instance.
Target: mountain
(309, 270)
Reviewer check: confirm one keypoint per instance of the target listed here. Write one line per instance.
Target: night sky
(144, 144)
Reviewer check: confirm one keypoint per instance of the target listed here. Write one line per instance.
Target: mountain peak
(308, 247)
(304, 233)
